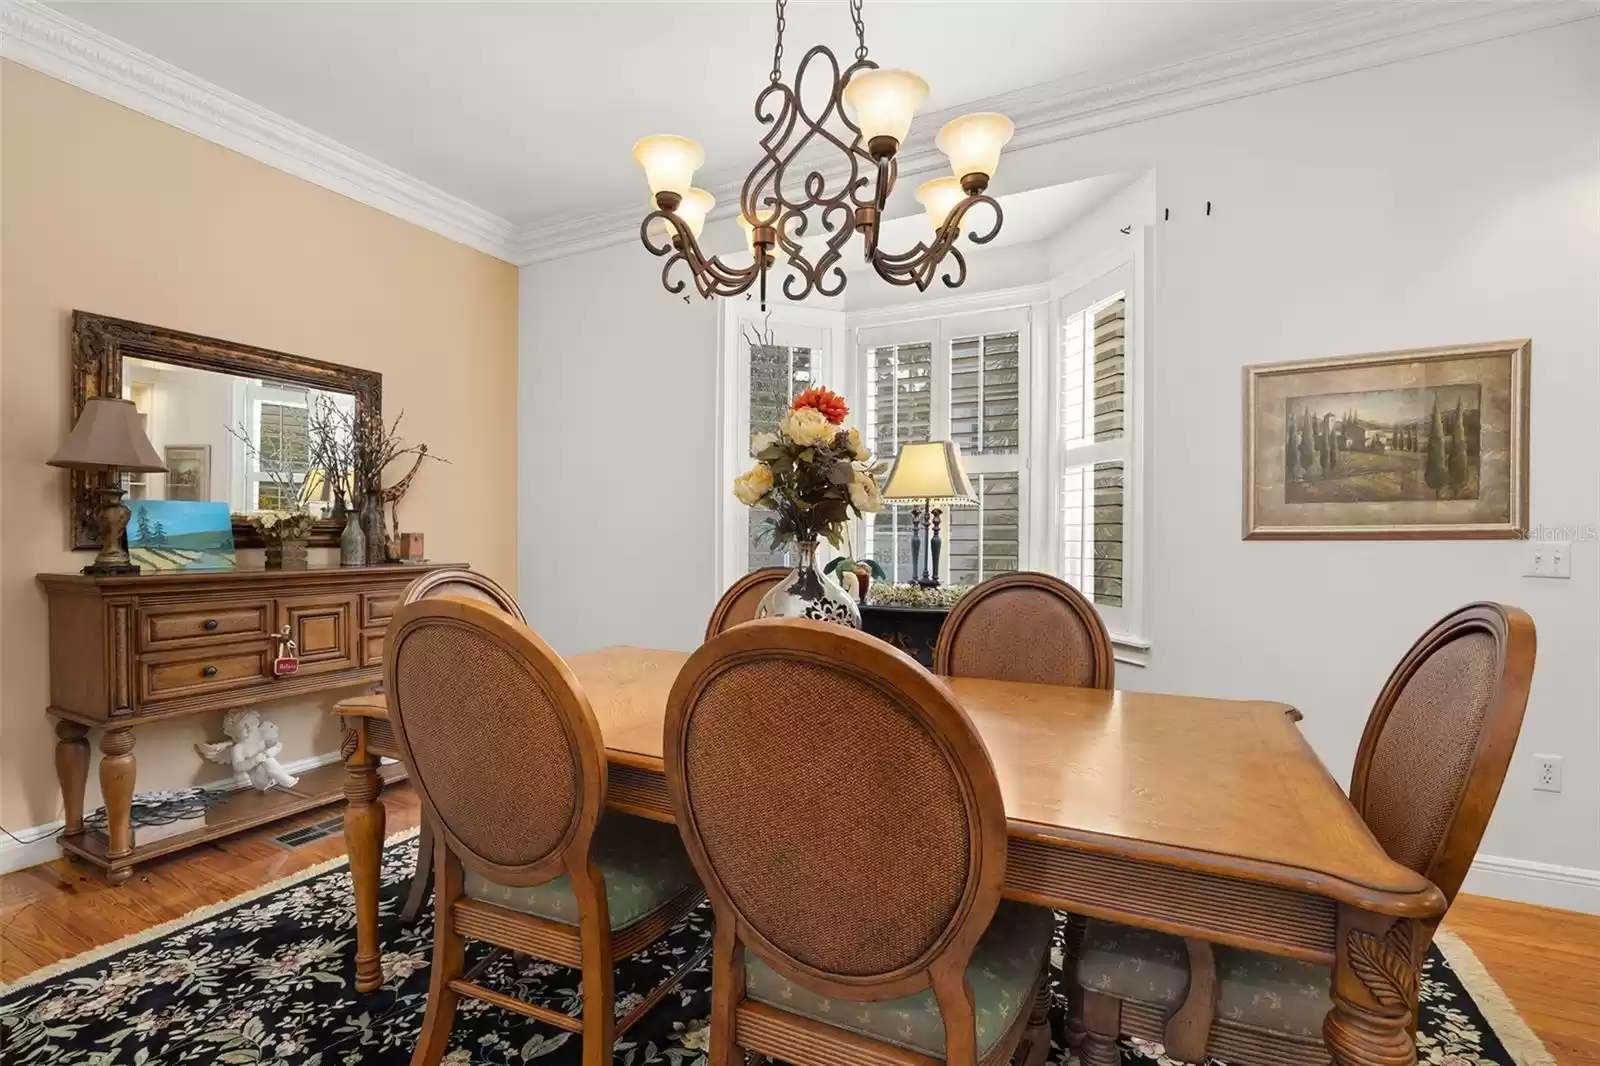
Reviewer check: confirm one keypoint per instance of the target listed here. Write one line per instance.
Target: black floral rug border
(268, 980)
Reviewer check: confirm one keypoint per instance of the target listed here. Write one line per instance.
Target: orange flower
(830, 403)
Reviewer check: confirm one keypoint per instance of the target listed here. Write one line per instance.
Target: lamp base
(109, 569)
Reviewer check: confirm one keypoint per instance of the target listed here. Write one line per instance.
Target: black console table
(914, 630)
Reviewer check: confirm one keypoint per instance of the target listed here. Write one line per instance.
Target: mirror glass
(252, 442)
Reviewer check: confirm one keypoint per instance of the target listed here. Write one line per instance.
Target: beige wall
(109, 211)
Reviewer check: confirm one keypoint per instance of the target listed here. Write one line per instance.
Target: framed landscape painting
(188, 471)
(1431, 442)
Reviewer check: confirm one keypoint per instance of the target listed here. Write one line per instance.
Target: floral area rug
(269, 979)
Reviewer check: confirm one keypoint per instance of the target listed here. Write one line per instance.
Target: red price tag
(285, 665)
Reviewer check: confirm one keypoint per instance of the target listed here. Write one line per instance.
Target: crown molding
(63, 48)
(1354, 36)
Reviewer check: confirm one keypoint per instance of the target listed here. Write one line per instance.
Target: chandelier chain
(861, 30)
(777, 49)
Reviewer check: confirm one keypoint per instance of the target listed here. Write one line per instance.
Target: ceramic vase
(352, 542)
(807, 592)
(372, 528)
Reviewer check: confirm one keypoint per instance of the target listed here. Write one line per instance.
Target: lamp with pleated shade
(928, 473)
(108, 437)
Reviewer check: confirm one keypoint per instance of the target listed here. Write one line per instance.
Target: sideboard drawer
(184, 625)
(199, 672)
(372, 648)
(378, 607)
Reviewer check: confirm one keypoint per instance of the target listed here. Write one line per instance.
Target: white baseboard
(1569, 888)
(40, 846)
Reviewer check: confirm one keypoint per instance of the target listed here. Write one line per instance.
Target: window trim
(821, 330)
(1122, 266)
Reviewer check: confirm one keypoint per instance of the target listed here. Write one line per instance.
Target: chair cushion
(1003, 973)
(1262, 991)
(643, 863)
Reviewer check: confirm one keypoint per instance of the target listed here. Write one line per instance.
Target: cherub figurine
(252, 750)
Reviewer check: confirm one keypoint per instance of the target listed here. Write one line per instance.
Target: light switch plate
(1547, 558)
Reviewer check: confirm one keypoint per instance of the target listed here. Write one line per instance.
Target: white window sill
(1135, 651)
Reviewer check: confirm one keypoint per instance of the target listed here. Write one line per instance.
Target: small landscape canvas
(1430, 442)
(181, 535)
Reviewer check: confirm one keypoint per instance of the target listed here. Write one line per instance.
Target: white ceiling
(528, 110)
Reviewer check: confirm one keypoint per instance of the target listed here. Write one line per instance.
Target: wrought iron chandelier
(874, 107)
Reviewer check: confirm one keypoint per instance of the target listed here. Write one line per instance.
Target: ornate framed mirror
(230, 419)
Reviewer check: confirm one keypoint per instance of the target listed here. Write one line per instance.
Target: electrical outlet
(1547, 773)
(1547, 558)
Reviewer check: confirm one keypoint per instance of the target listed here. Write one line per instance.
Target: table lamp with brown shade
(928, 473)
(108, 437)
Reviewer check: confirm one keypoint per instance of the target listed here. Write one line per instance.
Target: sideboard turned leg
(117, 767)
(363, 834)
(1375, 987)
(72, 770)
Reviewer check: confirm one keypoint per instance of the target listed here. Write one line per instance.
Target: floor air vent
(295, 838)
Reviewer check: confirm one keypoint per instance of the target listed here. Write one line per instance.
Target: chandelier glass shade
(861, 126)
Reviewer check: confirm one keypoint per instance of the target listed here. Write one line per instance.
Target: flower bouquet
(814, 475)
(285, 534)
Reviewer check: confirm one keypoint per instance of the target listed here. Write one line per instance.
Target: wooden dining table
(1205, 818)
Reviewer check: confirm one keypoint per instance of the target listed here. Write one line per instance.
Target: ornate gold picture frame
(1422, 443)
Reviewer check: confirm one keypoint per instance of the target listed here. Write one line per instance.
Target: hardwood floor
(57, 910)
(1547, 961)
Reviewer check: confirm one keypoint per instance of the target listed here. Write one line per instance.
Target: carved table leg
(117, 768)
(1071, 947)
(72, 769)
(1374, 991)
(363, 835)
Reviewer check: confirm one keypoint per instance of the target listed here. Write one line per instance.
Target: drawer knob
(210, 624)
(208, 671)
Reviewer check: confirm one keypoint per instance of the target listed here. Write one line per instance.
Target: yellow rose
(857, 446)
(864, 493)
(751, 487)
(760, 442)
(809, 428)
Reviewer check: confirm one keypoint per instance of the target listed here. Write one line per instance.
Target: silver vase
(809, 593)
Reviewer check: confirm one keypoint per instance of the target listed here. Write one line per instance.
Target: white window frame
(823, 331)
(1122, 267)
(248, 396)
(939, 322)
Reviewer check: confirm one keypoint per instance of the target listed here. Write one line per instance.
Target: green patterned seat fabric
(1003, 973)
(643, 863)
(1281, 995)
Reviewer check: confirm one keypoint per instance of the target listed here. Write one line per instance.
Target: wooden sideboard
(126, 651)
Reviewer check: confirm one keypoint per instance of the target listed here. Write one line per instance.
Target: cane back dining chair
(467, 584)
(739, 603)
(1427, 774)
(846, 821)
(504, 751)
(1026, 626)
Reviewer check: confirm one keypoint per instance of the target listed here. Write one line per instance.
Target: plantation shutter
(778, 373)
(986, 540)
(283, 440)
(985, 394)
(1094, 443)
(899, 410)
